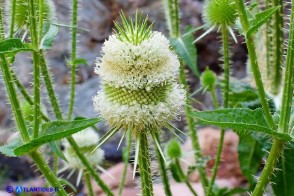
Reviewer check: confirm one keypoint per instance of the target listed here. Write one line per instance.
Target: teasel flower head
(218, 14)
(22, 11)
(138, 77)
(87, 141)
(138, 72)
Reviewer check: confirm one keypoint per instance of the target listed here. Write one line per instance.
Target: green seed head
(28, 111)
(208, 79)
(22, 11)
(219, 12)
(145, 96)
(173, 149)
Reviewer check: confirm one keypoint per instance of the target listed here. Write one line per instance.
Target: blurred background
(97, 17)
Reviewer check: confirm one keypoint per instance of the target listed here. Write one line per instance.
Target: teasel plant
(139, 92)
(171, 9)
(278, 146)
(42, 33)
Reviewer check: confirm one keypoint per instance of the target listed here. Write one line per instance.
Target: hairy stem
(17, 113)
(25, 94)
(183, 176)
(88, 166)
(36, 62)
(225, 42)
(46, 171)
(269, 168)
(126, 157)
(12, 19)
(49, 87)
(192, 130)
(289, 80)
(73, 56)
(163, 170)
(87, 179)
(254, 63)
(275, 37)
(144, 165)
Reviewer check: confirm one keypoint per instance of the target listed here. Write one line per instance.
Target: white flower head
(138, 72)
(132, 66)
(87, 141)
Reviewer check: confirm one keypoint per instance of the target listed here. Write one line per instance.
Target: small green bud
(28, 111)
(173, 149)
(219, 12)
(208, 79)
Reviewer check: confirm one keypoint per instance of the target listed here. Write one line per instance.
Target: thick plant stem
(88, 166)
(269, 168)
(36, 62)
(87, 179)
(183, 176)
(49, 86)
(46, 171)
(144, 165)
(126, 157)
(192, 131)
(289, 81)
(163, 170)
(225, 42)
(277, 145)
(21, 125)
(41, 11)
(73, 57)
(25, 94)
(12, 19)
(254, 64)
(275, 37)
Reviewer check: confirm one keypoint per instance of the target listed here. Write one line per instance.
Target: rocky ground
(97, 17)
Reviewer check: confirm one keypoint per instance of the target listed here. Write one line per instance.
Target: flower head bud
(87, 141)
(219, 13)
(138, 70)
(22, 10)
(208, 79)
(28, 111)
(173, 149)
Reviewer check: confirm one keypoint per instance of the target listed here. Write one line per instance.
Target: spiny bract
(138, 79)
(219, 12)
(22, 12)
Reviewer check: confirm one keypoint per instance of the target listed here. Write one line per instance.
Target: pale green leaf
(186, 50)
(241, 119)
(260, 19)
(49, 37)
(250, 156)
(55, 131)
(8, 149)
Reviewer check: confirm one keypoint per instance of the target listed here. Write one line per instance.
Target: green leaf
(175, 172)
(186, 50)
(49, 37)
(241, 119)
(13, 46)
(260, 19)
(244, 96)
(55, 147)
(55, 131)
(65, 182)
(250, 156)
(284, 172)
(8, 149)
